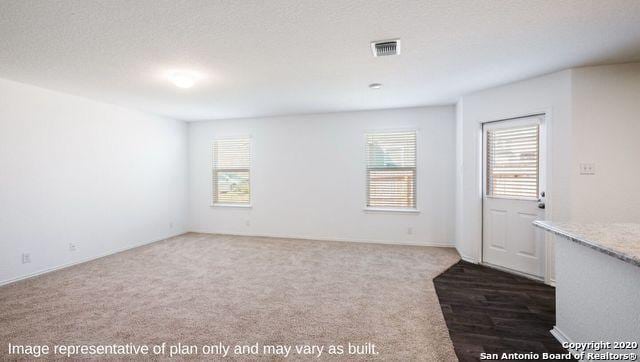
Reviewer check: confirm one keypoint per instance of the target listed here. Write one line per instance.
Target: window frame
(390, 209)
(214, 171)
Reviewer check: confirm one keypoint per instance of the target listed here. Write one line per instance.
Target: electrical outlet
(170, 225)
(409, 231)
(587, 169)
(248, 222)
(26, 258)
(72, 247)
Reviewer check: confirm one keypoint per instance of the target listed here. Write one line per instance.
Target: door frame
(545, 146)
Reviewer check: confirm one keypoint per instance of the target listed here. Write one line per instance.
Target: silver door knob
(541, 204)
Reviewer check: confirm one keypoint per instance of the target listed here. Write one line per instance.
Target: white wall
(606, 132)
(309, 179)
(597, 296)
(550, 94)
(73, 170)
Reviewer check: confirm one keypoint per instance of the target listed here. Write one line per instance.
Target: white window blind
(513, 162)
(231, 171)
(391, 170)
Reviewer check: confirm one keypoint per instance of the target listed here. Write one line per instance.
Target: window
(231, 171)
(391, 170)
(512, 162)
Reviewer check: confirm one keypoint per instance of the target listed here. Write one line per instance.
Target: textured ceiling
(302, 56)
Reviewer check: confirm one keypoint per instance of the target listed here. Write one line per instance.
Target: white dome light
(183, 78)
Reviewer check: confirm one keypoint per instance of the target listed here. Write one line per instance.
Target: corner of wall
(458, 220)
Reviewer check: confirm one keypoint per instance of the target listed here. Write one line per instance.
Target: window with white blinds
(391, 170)
(513, 162)
(231, 171)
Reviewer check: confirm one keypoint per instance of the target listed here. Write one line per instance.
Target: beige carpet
(201, 289)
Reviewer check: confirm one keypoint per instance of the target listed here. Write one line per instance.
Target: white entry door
(514, 194)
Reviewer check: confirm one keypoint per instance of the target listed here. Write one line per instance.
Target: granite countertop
(619, 240)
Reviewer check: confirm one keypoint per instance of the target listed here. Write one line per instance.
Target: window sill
(241, 206)
(390, 210)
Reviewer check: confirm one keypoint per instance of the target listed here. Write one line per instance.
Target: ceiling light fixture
(183, 78)
(375, 85)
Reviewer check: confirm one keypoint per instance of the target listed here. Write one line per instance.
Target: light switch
(587, 169)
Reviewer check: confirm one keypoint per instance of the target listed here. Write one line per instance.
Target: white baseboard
(507, 270)
(551, 282)
(562, 338)
(84, 260)
(468, 258)
(348, 240)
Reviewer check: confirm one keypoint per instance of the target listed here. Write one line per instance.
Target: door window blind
(513, 162)
(231, 171)
(391, 169)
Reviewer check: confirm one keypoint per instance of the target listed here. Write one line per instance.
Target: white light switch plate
(587, 169)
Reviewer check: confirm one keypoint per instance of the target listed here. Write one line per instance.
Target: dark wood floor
(490, 311)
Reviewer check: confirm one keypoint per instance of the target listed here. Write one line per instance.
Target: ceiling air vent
(383, 48)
